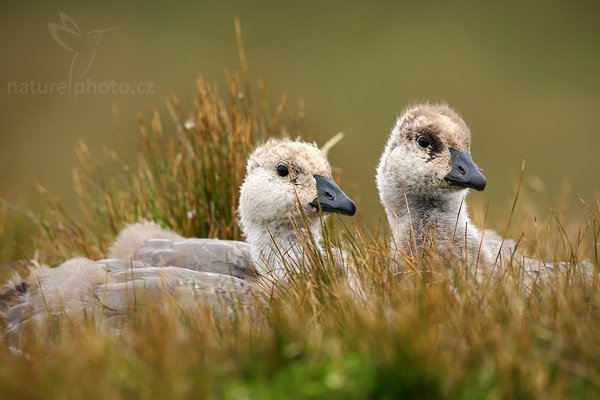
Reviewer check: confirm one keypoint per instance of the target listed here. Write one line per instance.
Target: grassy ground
(416, 337)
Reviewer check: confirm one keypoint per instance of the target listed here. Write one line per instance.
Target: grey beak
(331, 198)
(464, 173)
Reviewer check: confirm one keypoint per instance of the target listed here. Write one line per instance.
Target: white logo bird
(83, 46)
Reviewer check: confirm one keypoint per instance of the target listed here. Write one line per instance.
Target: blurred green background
(525, 76)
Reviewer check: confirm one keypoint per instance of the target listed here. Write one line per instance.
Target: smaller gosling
(423, 178)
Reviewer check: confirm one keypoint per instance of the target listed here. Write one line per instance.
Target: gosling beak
(331, 198)
(465, 173)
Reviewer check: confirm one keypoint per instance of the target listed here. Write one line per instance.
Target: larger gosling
(286, 185)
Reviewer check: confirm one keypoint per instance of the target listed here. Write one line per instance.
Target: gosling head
(285, 179)
(428, 153)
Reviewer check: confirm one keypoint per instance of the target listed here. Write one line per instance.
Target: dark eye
(423, 142)
(282, 170)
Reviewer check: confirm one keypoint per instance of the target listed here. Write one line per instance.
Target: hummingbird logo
(83, 46)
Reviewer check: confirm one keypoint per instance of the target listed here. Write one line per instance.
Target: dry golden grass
(420, 336)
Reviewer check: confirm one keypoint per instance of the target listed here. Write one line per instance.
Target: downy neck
(277, 247)
(419, 221)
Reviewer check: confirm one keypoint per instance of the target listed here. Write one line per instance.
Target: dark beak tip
(482, 186)
(465, 173)
(479, 188)
(331, 198)
(477, 183)
(350, 210)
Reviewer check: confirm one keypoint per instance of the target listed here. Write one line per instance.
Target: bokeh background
(525, 76)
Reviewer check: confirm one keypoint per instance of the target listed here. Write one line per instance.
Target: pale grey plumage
(226, 257)
(109, 289)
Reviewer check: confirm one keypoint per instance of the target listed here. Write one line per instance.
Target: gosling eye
(423, 142)
(282, 170)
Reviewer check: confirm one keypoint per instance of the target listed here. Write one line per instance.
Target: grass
(418, 336)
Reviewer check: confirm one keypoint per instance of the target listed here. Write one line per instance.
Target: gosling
(423, 177)
(286, 185)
